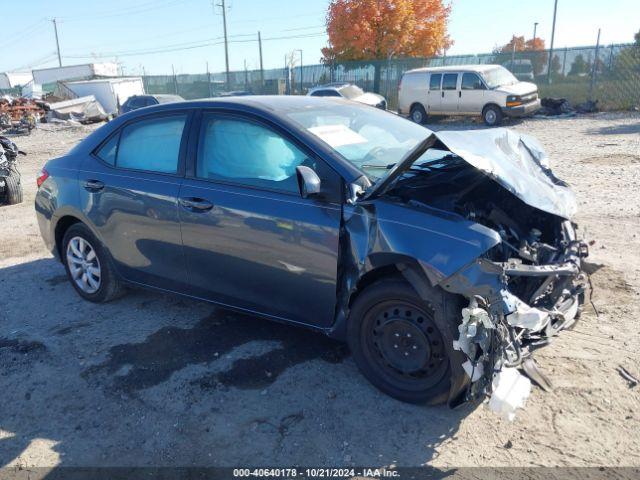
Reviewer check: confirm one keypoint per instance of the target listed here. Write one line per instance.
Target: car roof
(456, 68)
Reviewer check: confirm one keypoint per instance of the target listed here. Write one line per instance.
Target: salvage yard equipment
(10, 184)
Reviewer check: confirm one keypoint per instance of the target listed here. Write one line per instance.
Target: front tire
(13, 188)
(492, 115)
(418, 114)
(89, 266)
(397, 340)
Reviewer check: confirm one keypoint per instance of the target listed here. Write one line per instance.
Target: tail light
(42, 176)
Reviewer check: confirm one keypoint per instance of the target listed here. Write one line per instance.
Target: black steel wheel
(402, 342)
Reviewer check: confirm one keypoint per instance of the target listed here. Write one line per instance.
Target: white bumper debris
(510, 392)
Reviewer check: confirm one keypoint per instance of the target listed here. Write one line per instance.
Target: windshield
(369, 138)
(351, 91)
(498, 77)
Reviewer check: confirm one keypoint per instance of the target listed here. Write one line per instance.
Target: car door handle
(93, 185)
(196, 204)
(459, 94)
(443, 94)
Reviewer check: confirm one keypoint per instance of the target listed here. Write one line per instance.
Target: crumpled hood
(518, 163)
(515, 161)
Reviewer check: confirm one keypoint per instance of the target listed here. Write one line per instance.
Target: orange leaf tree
(379, 29)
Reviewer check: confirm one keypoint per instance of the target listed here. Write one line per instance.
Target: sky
(159, 35)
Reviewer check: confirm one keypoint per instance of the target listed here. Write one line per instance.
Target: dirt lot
(153, 379)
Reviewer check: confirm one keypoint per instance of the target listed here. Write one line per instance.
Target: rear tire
(418, 114)
(13, 188)
(492, 116)
(89, 266)
(397, 341)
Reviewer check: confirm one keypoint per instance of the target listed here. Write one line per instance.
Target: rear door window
(151, 145)
(434, 81)
(449, 81)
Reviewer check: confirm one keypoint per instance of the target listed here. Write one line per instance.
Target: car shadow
(156, 379)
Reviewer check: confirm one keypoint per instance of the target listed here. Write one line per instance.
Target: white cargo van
(487, 90)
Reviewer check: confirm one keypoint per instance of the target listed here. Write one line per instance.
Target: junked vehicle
(140, 101)
(441, 258)
(487, 90)
(10, 181)
(350, 92)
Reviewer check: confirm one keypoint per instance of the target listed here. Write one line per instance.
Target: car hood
(515, 161)
(520, 88)
(368, 98)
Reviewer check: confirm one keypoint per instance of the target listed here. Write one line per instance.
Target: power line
(134, 10)
(192, 45)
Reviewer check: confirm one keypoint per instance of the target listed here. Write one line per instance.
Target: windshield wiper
(380, 167)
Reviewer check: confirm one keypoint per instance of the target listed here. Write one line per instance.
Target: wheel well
(373, 276)
(416, 104)
(490, 105)
(61, 228)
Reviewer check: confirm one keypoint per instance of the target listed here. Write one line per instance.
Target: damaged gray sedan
(443, 259)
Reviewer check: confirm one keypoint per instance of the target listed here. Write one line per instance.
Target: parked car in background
(140, 101)
(350, 92)
(522, 68)
(332, 215)
(487, 90)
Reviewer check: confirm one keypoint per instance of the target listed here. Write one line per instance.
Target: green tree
(579, 66)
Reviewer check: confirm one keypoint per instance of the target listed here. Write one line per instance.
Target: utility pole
(55, 29)
(594, 67)
(553, 33)
(261, 66)
(175, 80)
(209, 81)
(535, 27)
(301, 79)
(226, 42)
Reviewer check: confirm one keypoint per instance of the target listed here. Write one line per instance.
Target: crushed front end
(522, 295)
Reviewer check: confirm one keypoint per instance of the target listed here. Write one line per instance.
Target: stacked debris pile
(84, 110)
(20, 114)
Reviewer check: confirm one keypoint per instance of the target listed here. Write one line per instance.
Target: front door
(471, 94)
(450, 93)
(129, 191)
(250, 240)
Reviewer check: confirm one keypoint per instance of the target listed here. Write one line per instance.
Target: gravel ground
(153, 379)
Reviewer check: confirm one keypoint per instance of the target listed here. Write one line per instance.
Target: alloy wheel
(83, 264)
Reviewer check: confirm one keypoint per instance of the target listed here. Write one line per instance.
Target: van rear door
(450, 93)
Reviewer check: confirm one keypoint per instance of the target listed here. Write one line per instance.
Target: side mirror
(308, 181)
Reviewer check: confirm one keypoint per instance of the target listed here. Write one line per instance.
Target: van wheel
(396, 340)
(418, 114)
(492, 115)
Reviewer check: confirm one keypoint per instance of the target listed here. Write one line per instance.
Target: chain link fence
(609, 75)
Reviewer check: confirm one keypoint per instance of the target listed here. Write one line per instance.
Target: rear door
(434, 93)
(249, 238)
(471, 94)
(129, 192)
(450, 93)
